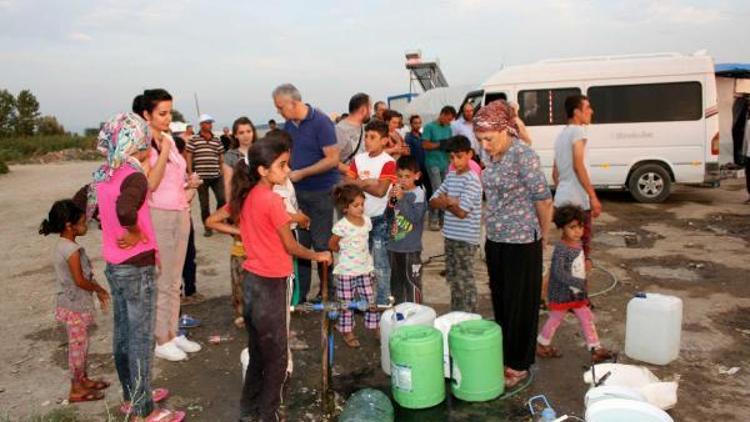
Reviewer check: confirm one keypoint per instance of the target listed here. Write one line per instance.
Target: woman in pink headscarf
(519, 212)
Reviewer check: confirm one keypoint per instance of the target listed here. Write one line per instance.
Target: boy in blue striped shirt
(460, 195)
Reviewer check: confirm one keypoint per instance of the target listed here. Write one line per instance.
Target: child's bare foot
(239, 322)
(547, 351)
(351, 340)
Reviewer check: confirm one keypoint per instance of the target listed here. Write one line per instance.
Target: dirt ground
(694, 246)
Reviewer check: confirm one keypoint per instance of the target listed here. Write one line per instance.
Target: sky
(85, 60)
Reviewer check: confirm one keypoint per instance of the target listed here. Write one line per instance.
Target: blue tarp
(733, 70)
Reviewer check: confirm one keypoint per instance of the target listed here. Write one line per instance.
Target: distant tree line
(19, 116)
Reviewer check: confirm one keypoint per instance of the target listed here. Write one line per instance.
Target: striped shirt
(467, 188)
(206, 156)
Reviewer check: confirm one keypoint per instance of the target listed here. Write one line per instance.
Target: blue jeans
(436, 176)
(133, 304)
(379, 250)
(318, 205)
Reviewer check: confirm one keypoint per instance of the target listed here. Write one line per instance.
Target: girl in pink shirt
(269, 244)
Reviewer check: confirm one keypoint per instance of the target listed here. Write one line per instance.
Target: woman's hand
(194, 181)
(131, 239)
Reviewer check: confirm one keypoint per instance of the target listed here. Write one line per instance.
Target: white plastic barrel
(406, 313)
(653, 328)
(623, 410)
(444, 324)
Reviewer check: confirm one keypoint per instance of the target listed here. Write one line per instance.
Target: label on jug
(401, 377)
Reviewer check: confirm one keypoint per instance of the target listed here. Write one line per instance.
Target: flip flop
(88, 396)
(94, 384)
(157, 395)
(165, 415)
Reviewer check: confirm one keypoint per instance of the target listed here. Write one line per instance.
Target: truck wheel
(650, 183)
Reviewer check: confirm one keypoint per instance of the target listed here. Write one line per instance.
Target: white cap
(205, 118)
(178, 127)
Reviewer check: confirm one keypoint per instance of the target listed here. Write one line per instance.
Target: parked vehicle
(655, 117)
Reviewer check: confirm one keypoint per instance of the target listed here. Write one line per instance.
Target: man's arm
(189, 160)
(583, 176)
(331, 160)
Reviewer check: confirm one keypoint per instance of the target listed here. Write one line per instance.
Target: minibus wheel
(650, 183)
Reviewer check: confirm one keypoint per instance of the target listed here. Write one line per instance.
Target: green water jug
(417, 366)
(476, 350)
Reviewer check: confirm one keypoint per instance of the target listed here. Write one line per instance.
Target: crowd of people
(362, 188)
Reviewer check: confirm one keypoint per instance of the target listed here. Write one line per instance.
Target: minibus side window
(664, 102)
(544, 107)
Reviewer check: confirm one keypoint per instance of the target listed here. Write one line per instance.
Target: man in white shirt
(570, 172)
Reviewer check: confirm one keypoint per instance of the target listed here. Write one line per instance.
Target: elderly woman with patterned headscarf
(129, 248)
(519, 211)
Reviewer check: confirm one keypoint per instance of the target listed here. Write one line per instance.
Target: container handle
(535, 398)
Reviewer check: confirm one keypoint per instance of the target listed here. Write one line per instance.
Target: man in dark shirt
(226, 139)
(314, 162)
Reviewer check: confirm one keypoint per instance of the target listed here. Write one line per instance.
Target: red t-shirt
(262, 214)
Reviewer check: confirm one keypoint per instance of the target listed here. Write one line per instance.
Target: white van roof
(603, 67)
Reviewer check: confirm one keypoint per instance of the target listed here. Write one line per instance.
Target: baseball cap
(205, 118)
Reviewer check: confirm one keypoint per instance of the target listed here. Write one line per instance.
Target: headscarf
(120, 138)
(495, 116)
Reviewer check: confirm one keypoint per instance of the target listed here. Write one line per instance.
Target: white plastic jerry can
(653, 328)
(406, 313)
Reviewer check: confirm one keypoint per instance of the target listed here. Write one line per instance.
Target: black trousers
(406, 276)
(188, 269)
(515, 272)
(216, 184)
(266, 310)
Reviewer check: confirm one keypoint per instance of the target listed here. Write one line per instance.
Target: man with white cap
(205, 156)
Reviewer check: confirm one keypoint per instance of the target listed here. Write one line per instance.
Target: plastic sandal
(157, 395)
(88, 396)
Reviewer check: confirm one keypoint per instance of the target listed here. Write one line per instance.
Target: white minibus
(655, 117)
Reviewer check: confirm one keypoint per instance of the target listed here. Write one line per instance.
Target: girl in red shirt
(269, 244)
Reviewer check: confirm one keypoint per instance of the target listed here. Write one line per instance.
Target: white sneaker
(170, 352)
(186, 345)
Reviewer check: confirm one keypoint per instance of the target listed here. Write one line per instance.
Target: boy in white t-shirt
(375, 172)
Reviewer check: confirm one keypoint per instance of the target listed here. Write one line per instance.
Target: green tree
(7, 113)
(27, 109)
(48, 125)
(177, 116)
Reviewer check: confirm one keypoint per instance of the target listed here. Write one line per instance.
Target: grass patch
(3, 167)
(20, 148)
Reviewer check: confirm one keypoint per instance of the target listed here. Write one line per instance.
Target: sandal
(547, 351)
(601, 354)
(351, 340)
(94, 384)
(165, 415)
(157, 395)
(87, 396)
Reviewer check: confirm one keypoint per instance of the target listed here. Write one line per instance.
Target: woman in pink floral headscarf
(519, 212)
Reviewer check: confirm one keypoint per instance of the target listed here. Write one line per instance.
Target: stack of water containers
(416, 355)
